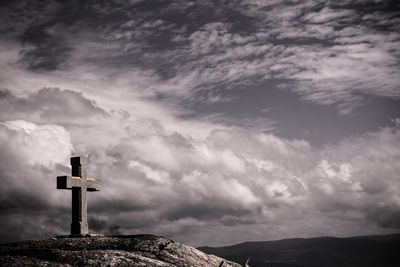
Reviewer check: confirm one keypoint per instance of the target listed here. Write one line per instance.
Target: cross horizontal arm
(93, 184)
(67, 182)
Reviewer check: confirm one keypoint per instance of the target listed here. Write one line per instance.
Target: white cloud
(32, 155)
(236, 177)
(36, 144)
(288, 175)
(326, 14)
(154, 175)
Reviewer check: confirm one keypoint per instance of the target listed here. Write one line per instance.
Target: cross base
(77, 236)
(79, 228)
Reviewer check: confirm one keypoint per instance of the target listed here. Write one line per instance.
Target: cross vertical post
(79, 225)
(79, 184)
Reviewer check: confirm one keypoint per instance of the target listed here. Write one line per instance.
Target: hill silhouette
(366, 251)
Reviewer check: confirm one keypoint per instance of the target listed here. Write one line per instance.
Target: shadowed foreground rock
(138, 250)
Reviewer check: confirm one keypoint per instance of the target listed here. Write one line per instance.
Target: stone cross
(79, 184)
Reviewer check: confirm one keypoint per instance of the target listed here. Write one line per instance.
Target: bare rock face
(137, 250)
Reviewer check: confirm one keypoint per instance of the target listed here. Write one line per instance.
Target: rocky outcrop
(138, 250)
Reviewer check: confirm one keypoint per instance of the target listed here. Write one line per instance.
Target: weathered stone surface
(138, 250)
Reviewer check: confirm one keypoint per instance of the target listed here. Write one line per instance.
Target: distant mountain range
(366, 251)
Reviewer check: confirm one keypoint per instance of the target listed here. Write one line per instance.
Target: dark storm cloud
(115, 204)
(103, 227)
(20, 226)
(214, 209)
(32, 23)
(17, 16)
(388, 217)
(49, 54)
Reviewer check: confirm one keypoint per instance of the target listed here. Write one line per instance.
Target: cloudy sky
(208, 122)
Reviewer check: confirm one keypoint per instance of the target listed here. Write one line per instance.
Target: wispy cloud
(326, 52)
